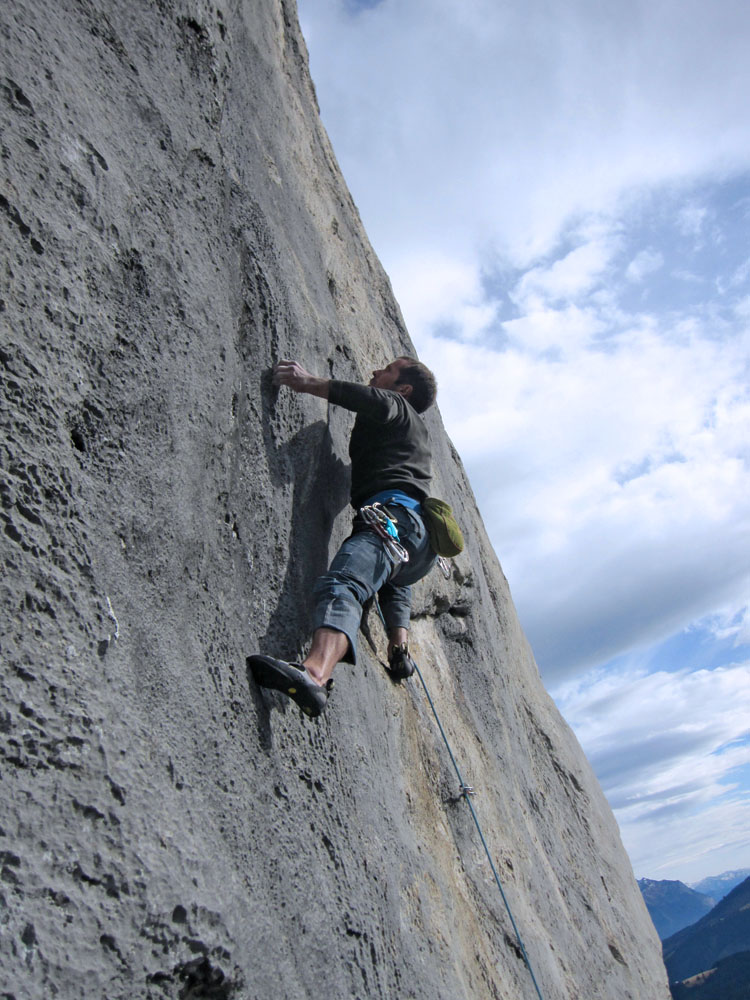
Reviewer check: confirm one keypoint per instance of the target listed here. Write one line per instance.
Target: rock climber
(390, 466)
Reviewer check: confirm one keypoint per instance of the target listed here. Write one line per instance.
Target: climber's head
(410, 378)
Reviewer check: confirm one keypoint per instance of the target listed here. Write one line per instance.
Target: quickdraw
(375, 516)
(445, 567)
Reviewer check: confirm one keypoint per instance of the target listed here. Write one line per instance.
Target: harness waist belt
(396, 497)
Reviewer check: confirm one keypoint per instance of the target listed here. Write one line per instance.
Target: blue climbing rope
(466, 793)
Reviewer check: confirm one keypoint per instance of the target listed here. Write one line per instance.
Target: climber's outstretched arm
(293, 375)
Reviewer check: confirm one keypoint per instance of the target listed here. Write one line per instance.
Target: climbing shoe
(292, 679)
(400, 663)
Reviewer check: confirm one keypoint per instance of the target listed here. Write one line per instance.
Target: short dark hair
(423, 383)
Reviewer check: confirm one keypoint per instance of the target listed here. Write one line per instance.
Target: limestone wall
(174, 221)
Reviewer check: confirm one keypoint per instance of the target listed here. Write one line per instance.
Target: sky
(560, 194)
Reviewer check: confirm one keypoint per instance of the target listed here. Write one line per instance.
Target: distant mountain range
(721, 933)
(672, 905)
(718, 886)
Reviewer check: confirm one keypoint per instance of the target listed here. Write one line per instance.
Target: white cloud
(737, 279)
(644, 263)
(669, 749)
(691, 219)
(613, 473)
(732, 621)
(562, 332)
(475, 121)
(443, 290)
(567, 278)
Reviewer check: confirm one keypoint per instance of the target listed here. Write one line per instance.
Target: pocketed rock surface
(173, 222)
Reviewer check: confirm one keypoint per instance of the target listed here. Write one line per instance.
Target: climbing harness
(375, 516)
(466, 793)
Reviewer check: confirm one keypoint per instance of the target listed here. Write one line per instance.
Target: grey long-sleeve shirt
(389, 447)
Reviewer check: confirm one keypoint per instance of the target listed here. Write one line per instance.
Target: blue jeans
(362, 567)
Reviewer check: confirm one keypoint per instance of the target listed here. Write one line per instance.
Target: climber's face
(387, 378)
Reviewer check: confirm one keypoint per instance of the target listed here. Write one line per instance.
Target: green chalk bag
(445, 535)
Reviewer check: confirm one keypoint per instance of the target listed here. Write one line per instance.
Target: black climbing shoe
(292, 679)
(400, 663)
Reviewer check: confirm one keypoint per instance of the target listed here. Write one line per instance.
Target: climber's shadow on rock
(307, 461)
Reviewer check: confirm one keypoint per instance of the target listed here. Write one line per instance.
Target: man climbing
(391, 466)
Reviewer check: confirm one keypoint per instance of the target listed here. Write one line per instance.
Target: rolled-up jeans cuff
(396, 614)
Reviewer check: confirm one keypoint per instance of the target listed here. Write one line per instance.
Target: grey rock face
(173, 222)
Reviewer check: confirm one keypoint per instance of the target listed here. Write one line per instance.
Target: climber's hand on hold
(294, 376)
